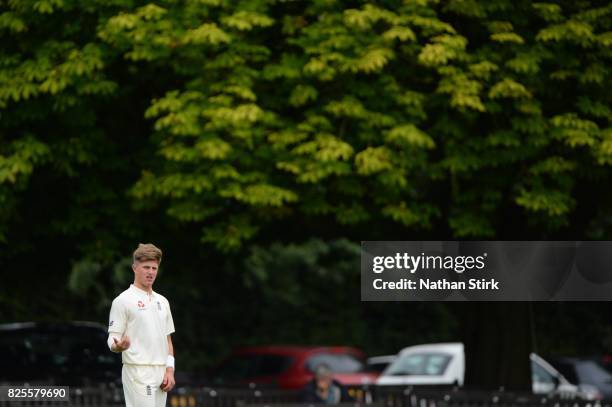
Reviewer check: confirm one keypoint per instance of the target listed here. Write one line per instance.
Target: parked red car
(290, 367)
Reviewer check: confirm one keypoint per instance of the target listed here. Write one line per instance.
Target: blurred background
(258, 142)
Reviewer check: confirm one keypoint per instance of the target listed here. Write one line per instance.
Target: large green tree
(448, 115)
(456, 114)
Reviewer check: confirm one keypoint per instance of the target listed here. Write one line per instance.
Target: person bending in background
(324, 389)
(139, 327)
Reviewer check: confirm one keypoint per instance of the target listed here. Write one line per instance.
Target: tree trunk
(497, 338)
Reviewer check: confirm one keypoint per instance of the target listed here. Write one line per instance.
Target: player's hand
(168, 382)
(123, 344)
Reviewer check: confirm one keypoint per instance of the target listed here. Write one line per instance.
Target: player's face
(145, 273)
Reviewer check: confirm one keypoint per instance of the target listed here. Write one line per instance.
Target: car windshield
(422, 364)
(591, 372)
(247, 366)
(337, 362)
(540, 375)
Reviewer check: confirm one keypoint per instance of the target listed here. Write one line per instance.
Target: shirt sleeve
(169, 321)
(117, 321)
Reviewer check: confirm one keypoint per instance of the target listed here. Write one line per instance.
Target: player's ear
(134, 267)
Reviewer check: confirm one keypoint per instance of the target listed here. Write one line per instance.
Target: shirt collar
(140, 291)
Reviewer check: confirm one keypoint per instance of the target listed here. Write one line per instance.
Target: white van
(444, 364)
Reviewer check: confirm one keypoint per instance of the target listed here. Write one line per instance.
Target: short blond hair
(147, 252)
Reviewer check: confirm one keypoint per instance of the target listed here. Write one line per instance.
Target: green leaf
(373, 160)
(409, 134)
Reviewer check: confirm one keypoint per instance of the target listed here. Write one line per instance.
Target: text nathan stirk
(441, 284)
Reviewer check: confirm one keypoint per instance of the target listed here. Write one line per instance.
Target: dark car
(290, 367)
(62, 354)
(586, 372)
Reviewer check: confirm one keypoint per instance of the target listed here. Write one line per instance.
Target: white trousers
(141, 385)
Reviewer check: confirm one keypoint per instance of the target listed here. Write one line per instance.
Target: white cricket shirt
(146, 319)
